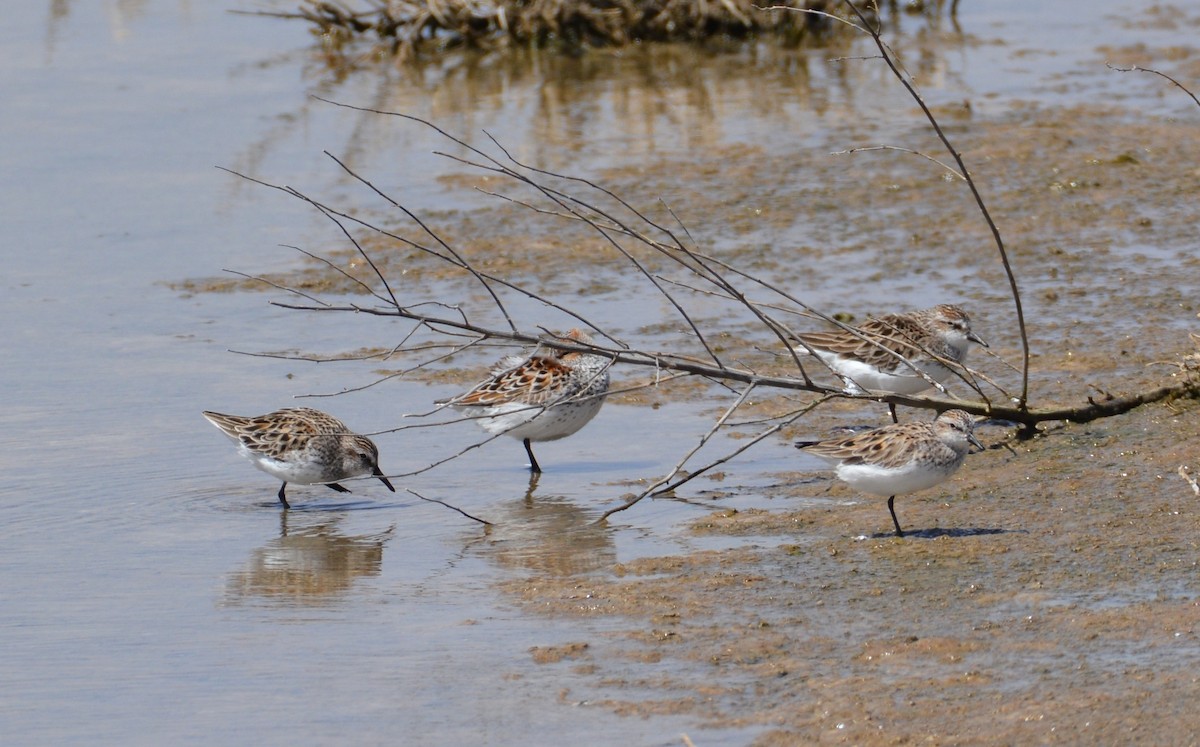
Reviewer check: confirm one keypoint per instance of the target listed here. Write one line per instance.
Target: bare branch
(1019, 413)
(905, 80)
(646, 247)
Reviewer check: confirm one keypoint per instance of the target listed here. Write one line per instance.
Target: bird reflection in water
(310, 563)
(548, 534)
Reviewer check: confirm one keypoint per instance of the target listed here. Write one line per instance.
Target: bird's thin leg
(533, 465)
(338, 488)
(892, 410)
(892, 508)
(283, 496)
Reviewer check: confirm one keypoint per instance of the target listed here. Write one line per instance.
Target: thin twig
(785, 422)
(1136, 69)
(679, 466)
(485, 522)
(663, 486)
(413, 216)
(284, 288)
(419, 247)
(866, 148)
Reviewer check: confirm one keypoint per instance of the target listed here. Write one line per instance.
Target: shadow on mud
(936, 532)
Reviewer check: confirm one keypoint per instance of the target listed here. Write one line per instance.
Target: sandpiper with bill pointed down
(897, 353)
(900, 458)
(302, 445)
(543, 397)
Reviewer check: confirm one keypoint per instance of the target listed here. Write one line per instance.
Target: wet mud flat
(1046, 593)
(1043, 596)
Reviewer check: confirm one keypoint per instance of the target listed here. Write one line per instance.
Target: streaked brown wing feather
(308, 421)
(278, 431)
(534, 382)
(893, 331)
(881, 447)
(228, 424)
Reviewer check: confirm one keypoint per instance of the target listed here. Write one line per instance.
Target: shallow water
(153, 591)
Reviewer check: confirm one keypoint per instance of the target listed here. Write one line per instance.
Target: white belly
(542, 424)
(908, 479)
(300, 471)
(901, 381)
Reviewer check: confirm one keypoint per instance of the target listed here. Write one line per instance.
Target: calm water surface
(151, 591)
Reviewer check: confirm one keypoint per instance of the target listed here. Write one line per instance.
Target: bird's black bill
(378, 473)
(977, 339)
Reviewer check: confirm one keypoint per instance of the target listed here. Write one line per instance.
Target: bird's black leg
(892, 508)
(338, 488)
(283, 496)
(892, 410)
(533, 465)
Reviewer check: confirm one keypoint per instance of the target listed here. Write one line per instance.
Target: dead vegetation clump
(406, 28)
